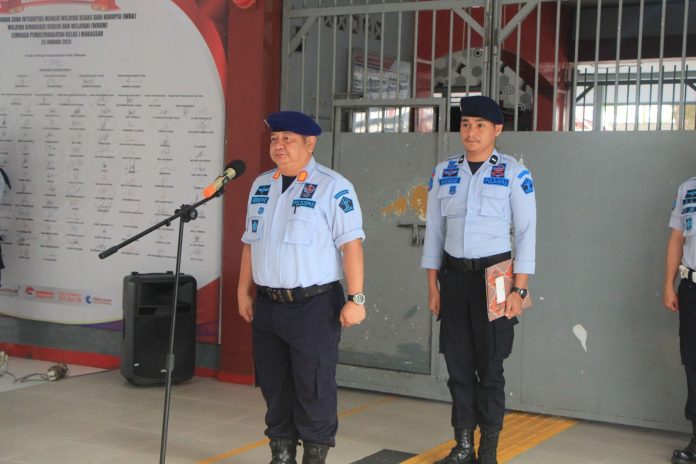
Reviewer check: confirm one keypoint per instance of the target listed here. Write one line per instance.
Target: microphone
(57, 372)
(233, 170)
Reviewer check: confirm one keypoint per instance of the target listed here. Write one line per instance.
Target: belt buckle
(288, 295)
(275, 295)
(683, 271)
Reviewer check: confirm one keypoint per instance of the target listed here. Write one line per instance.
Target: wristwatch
(358, 298)
(521, 291)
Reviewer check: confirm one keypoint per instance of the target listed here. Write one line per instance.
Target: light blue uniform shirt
(469, 216)
(683, 218)
(295, 236)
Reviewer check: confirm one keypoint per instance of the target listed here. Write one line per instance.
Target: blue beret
(292, 121)
(483, 107)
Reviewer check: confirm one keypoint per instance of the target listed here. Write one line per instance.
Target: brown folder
(498, 285)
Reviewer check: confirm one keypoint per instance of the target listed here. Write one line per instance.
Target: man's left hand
(513, 305)
(352, 314)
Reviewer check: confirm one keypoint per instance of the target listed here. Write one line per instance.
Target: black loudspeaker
(147, 316)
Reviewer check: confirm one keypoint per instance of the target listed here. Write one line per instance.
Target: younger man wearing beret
(303, 233)
(474, 199)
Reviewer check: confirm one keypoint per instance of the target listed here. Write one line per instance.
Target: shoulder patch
(346, 204)
(528, 185)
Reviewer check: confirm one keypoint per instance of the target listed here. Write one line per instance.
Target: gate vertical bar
(575, 67)
(682, 80)
(661, 70)
(638, 63)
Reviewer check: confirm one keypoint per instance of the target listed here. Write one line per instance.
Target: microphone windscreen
(238, 166)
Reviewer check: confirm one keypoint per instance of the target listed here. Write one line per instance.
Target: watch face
(358, 298)
(523, 292)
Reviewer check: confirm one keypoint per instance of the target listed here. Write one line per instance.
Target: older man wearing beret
(474, 199)
(303, 233)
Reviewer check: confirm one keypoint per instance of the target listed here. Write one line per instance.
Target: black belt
(474, 264)
(294, 295)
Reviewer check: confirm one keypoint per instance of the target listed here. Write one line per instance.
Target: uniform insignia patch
(303, 203)
(688, 223)
(257, 200)
(498, 170)
(261, 210)
(346, 204)
(450, 172)
(254, 225)
(340, 194)
(528, 185)
(689, 209)
(496, 181)
(430, 184)
(263, 190)
(450, 180)
(308, 190)
(453, 189)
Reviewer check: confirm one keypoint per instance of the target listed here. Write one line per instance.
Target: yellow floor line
(522, 432)
(251, 446)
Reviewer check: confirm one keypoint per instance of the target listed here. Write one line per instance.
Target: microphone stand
(185, 214)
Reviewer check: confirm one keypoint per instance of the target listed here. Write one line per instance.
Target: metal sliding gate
(383, 79)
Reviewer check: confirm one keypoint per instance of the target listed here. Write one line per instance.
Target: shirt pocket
(298, 232)
(254, 228)
(450, 204)
(495, 201)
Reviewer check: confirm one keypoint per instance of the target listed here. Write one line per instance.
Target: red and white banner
(112, 115)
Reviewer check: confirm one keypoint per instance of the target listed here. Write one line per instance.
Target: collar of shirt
(302, 176)
(492, 160)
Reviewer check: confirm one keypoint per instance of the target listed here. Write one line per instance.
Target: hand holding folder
(498, 285)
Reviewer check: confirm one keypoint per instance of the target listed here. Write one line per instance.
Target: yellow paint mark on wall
(415, 200)
(396, 207)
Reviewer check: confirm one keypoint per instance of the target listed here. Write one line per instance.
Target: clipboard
(498, 285)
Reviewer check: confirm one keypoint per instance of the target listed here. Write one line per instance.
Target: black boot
(283, 450)
(463, 452)
(314, 453)
(488, 448)
(686, 455)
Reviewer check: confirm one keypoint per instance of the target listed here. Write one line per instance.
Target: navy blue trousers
(687, 341)
(296, 352)
(474, 350)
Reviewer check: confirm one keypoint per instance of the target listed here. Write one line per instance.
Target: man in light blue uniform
(681, 260)
(303, 233)
(473, 201)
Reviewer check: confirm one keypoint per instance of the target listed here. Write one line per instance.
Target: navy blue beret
(483, 107)
(292, 121)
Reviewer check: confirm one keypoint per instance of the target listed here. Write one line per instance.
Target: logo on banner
(17, 6)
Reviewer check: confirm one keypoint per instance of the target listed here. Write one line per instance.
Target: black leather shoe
(488, 448)
(314, 453)
(283, 450)
(463, 452)
(686, 455)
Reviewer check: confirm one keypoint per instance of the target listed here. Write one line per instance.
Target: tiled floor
(101, 418)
